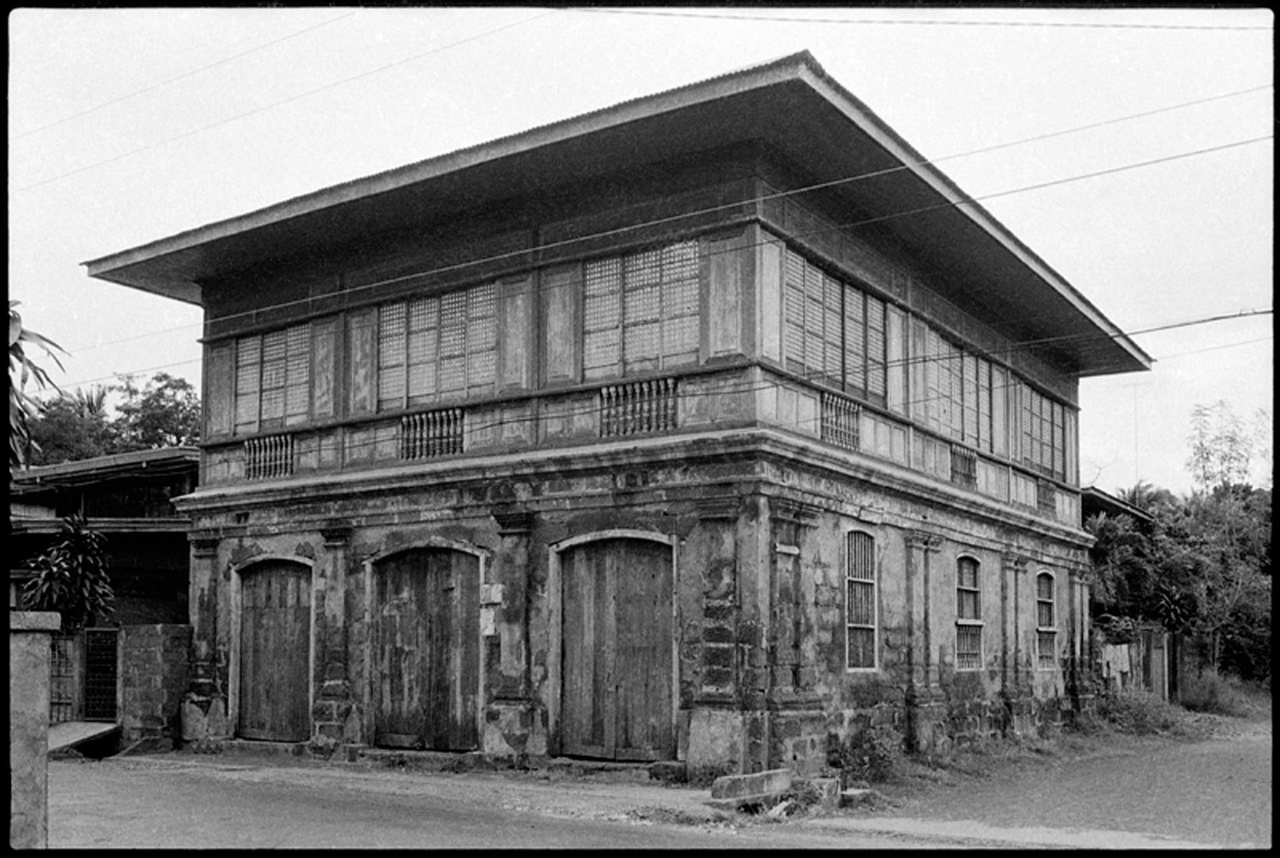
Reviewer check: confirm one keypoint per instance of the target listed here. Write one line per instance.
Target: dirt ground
(1098, 791)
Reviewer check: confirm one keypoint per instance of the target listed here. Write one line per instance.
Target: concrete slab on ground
(69, 734)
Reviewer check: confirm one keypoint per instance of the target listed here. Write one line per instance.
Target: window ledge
(962, 622)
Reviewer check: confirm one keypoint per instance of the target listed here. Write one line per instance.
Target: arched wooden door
(275, 652)
(427, 650)
(616, 650)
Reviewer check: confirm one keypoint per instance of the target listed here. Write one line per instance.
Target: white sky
(130, 125)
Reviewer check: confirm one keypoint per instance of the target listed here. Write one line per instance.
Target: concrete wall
(153, 680)
(29, 636)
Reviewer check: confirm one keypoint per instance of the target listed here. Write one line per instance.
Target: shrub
(1137, 711)
(871, 754)
(1213, 694)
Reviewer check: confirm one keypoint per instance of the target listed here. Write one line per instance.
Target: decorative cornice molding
(924, 540)
(711, 509)
(336, 534)
(1015, 562)
(203, 544)
(794, 511)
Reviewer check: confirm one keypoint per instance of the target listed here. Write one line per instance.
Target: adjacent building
(713, 426)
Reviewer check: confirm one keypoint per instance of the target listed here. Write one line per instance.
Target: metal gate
(100, 674)
(62, 678)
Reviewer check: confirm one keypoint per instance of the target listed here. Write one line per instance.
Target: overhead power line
(182, 76)
(276, 104)
(791, 19)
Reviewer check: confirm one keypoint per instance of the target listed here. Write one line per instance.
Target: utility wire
(905, 362)
(846, 180)
(276, 104)
(906, 21)
(182, 76)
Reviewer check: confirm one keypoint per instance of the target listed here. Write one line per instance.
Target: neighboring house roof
(101, 468)
(33, 490)
(790, 104)
(1095, 500)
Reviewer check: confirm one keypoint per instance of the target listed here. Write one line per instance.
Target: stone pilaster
(204, 707)
(332, 706)
(510, 712)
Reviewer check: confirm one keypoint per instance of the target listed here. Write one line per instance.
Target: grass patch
(1224, 695)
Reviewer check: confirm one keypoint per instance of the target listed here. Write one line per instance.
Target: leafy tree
(70, 430)
(71, 577)
(24, 408)
(165, 413)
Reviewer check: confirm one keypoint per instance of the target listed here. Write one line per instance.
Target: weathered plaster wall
(759, 591)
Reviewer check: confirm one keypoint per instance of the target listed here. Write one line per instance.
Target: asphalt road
(1120, 793)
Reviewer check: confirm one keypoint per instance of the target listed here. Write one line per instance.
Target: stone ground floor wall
(758, 620)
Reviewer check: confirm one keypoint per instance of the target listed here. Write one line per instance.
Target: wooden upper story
(700, 266)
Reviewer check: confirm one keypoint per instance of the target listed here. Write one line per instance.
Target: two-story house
(711, 426)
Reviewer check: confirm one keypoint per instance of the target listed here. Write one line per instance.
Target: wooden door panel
(427, 634)
(616, 650)
(275, 653)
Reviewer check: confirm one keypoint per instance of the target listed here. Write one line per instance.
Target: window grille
(1046, 634)
(964, 467)
(1046, 498)
(638, 407)
(431, 433)
(860, 604)
(840, 421)
(968, 615)
(968, 647)
(268, 457)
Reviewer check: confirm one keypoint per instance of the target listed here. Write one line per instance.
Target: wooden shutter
(771, 314)
(814, 322)
(984, 405)
(875, 349)
(969, 382)
(362, 362)
(793, 310)
(1000, 412)
(297, 391)
(324, 356)
(515, 338)
(561, 340)
(726, 301)
(833, 327)
(917, 360)
(855, 342)
(896, 370)
(220, 374)
(248, 383)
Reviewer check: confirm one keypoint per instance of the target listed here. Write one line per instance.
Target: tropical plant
(164, 413)
(23, 408)
(72, 577)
